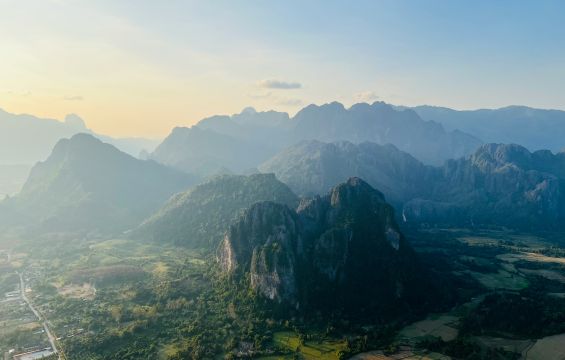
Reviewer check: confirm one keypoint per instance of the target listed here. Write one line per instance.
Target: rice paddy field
(309, 350)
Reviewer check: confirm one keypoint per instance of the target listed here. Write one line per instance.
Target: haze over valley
(321, 181)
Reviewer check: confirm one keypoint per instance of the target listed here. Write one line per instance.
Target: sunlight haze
(133, 68)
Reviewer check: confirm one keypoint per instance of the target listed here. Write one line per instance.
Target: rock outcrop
(342, 250)
(499, 185)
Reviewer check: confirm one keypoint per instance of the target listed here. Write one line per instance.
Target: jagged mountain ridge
(245, 140)
(383, 124)
(87, 185)
(324, 254)
(499, 184)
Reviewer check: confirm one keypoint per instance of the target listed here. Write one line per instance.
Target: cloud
(365, 96)
(277, 84)
(74, 98)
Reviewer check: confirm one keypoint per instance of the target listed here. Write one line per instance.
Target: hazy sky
(141, 67)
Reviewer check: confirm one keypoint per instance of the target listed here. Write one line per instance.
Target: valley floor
(123, 299)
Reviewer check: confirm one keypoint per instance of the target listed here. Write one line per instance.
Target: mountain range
(470, 183)
(498, 184)
(243, 141)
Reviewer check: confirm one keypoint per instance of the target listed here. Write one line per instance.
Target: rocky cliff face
(340, 250)
(499, 184)
(266, 242)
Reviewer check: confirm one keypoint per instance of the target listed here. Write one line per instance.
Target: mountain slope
(313, 167)
(341, 251)
(206, 152)
(87, 185)
(200, 216)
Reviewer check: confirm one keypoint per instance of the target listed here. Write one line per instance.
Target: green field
(310, 349)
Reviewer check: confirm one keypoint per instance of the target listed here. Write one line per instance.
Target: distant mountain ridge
(245, 140)
(87, 185)
(27, 139)
(535, 129)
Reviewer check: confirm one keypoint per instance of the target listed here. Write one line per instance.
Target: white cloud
(278, 84)
(365, 96)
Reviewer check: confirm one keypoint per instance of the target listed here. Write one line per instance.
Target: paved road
(50, 336)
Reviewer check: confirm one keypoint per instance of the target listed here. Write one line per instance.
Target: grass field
(501, 280)
(323, 349)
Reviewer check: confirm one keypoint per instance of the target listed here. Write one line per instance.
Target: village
(24, 332)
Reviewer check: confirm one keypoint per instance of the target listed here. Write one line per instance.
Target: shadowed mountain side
(323, 256)
(498, 185)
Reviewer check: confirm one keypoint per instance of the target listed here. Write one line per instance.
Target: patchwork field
(310, 350)
(443, 326)
(513, 257)
(501, 280)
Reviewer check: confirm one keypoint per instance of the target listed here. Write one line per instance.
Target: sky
(139, 68)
